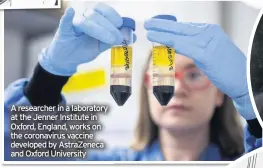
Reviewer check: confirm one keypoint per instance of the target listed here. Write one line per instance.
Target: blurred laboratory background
(26, 32)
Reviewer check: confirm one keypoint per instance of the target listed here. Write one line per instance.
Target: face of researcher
(193, 103)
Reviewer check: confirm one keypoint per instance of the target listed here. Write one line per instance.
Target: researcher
(200, 123)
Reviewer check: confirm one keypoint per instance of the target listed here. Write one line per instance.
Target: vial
(121, 64)
(163, 68)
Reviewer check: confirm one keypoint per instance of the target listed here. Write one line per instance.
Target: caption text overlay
(55, 131)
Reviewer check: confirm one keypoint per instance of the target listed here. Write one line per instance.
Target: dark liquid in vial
(163, 94)
(120, 93)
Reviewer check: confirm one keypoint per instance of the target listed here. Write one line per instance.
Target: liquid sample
(163, 73)
(121, 73)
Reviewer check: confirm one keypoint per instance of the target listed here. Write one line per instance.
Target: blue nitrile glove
(82, 41)
(213, 53)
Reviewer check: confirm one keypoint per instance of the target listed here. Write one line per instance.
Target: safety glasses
(191, 79)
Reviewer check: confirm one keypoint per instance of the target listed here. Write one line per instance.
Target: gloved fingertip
(146, 24)
(115, 41)
(119, 39)
(134, 38)
(70, 12)
(100, 5)
(150, 35)
(112, 40)
(66, 21)
(110, 13)
(119, 22)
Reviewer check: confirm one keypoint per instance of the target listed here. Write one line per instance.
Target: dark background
(256, 67)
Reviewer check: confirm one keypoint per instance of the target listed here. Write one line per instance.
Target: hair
(225, 126)
(256, 67)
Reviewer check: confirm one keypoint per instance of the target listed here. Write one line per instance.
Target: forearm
(44, 88)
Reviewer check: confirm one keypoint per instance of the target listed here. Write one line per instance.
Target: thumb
(66, 22)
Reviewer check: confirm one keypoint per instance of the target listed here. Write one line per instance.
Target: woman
(201, 45)
(199, 123)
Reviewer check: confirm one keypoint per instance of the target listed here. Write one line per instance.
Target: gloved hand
(82, 41)
(213, 53)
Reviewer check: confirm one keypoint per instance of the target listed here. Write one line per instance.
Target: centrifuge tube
(121, 64)
(163, 69)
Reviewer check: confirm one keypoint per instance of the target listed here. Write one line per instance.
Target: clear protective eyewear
(192, 79)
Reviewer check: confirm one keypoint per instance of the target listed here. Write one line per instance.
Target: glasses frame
(180, 76)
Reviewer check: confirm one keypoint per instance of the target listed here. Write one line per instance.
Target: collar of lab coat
(211, 153)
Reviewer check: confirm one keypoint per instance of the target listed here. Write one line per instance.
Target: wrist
(54, 68)
(44, 88)
(244, 106)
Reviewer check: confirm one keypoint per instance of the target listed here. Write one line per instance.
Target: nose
(179, 89)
